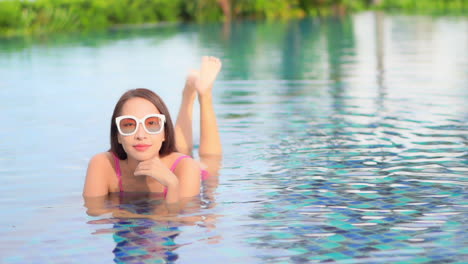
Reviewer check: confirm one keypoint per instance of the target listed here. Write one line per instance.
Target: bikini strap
(177, 161)
(117, 170)
(204, 173)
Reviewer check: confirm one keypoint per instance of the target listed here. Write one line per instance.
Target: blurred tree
(41, 16)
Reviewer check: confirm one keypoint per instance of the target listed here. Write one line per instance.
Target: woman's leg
(210, 151)
(183, 126)
(210, 142)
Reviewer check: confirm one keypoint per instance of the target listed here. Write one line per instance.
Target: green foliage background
(20, 17)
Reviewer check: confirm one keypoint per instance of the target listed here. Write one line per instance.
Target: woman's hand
(156, 169)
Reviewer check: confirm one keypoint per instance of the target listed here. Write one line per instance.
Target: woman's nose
(140, 133)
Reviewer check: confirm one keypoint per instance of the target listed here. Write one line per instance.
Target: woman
(143, 155)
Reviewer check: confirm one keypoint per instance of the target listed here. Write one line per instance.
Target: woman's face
(141, 145)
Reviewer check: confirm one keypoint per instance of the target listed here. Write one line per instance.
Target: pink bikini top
(204, 173)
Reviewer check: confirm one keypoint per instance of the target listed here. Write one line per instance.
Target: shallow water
(345, 141)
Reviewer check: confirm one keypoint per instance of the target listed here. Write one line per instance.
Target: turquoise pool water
(345, 141)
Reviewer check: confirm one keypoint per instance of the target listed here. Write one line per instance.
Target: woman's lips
(141, 147)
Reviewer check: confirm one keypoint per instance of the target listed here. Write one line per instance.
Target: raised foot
(191, 83)
(210, 67)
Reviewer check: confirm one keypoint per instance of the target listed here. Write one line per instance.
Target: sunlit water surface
(345, 141)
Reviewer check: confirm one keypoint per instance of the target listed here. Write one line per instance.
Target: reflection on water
(142, 230)
(345, 141)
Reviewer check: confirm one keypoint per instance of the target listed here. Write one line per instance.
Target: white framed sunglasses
(152, 123)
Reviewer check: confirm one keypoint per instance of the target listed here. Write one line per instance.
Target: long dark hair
(167, 147)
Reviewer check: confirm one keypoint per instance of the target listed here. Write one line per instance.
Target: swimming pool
(345, 141)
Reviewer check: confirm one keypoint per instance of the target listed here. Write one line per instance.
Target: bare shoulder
(101, 165)
(97, 176)
(101, 159)
(188, 172)
(189, 163)
(185, 165)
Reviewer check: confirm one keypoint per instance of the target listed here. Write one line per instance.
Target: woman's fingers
(142, 172)
(142, 167)
(155, 169)
(146, 166)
